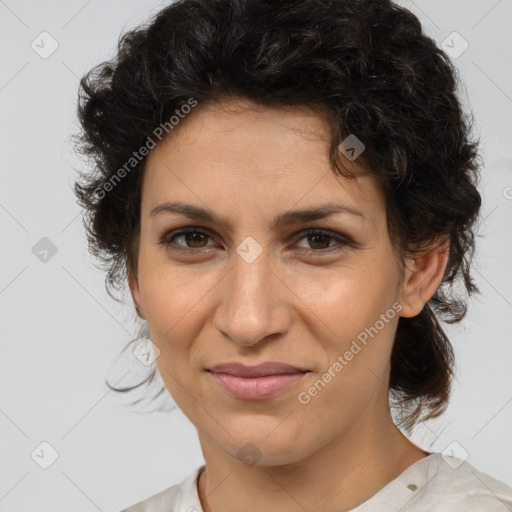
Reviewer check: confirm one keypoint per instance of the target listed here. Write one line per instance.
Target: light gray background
(61, 332)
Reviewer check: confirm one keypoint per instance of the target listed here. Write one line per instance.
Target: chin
(265, 447)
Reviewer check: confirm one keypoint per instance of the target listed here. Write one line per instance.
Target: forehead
(240, 153)
(246, 128)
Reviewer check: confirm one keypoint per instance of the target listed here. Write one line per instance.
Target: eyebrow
(283, 219)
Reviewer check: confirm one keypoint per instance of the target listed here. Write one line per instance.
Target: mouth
(258, 382)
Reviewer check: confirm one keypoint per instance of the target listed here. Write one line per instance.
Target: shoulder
(182, 496)
(453, 485)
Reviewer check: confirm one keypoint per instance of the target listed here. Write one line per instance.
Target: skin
(249, 163)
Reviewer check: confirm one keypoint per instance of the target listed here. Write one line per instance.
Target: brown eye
(319, 241)
(193, 238)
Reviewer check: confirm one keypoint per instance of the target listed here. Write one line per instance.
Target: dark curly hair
(368, 69)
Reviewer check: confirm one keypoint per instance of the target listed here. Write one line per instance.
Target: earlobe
(423, 276)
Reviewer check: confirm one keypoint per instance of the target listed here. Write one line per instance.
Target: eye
(195, 240)
(193, 236)
(319, 237)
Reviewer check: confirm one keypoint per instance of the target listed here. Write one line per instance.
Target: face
(241, 288)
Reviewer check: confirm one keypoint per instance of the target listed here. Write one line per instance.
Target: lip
(257, 382)
(257, 370)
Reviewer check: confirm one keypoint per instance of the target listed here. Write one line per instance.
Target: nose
(255, 302)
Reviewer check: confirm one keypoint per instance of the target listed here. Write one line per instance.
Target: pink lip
(256, 382)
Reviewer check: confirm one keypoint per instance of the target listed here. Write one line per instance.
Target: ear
(423, 275)
(133, 283)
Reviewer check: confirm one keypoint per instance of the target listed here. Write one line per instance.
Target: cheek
(344, 301)
(173, 295)
(353, 322)
(178, 305)
(355, 375)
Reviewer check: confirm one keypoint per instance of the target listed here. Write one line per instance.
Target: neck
(339, 476)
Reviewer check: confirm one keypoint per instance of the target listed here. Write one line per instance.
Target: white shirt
(435, 483)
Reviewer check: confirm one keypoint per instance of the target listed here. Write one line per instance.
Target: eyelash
(168, 238)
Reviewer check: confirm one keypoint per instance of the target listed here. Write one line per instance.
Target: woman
(289, 190)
